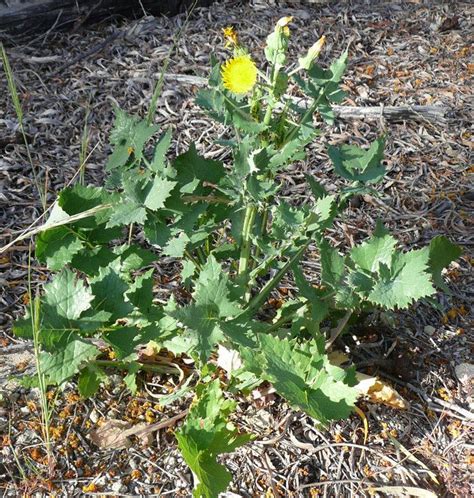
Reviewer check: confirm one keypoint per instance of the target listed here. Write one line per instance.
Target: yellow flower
(230, 35)
(239, 74)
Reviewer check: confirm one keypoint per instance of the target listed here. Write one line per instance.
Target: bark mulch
(400, 54)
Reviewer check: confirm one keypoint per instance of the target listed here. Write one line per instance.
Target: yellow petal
(239, 74)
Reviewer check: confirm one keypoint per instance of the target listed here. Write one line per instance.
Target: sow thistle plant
(234, 238)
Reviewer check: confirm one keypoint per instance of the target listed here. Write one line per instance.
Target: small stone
(118, 487)
(25, 410)
(429, 329)
(94, 416)
(465, 373)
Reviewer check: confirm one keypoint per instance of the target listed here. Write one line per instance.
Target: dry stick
(435, 113)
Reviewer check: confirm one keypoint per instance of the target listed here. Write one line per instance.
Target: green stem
(257, 301)
(263, 231)
(201, 255)
(284, 319)
(250, 213)
(308, 113)
(193, 260)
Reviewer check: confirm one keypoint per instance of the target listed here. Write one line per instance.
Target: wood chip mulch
(400, 54)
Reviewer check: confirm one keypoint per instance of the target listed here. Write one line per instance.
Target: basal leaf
(405, 281)
(57, 247)
(109, 289)
(299, 374)
(191, 165)
(158, 165)
(65, 299)
(90, 379)
(124, 340)
(141, 291)
(332, 266)
(442, 253)
(378, 249)
(64, 364)
(129, 136)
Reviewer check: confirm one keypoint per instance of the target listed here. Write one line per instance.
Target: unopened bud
(284, 21)
(313, 53)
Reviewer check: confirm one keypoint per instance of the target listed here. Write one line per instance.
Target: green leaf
(191, 165)
(79, 198)
(212, 287)
(90, 379)
(90, 261)
(203, 319)
(62, 365)
(206, 434)
(176, 246)
(203, 330)
(332, 265)
(127, 213)
(141, 291)
(159, 157)
(57, 247)
(316, 188)
(65, 299)
(158, 193)
(109, 289)
(124, 340)
(130, 380)
(338, 67)
(442, 253)
(156, 231)
(134, 257)
(129, 136)
(405, 281)
(325, 209)
(378, 249)
(299, 373)
(357, 164)
(286, 220)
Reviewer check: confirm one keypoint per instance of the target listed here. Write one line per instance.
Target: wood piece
(434, 113)
(28, 17)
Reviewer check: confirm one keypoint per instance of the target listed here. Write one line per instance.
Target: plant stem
(35, 312)
(282, 321)
(249, 218)
(308, 113)
(263, 230)
(19, 114)
(257, 301)
(193, 260)
(335, 333)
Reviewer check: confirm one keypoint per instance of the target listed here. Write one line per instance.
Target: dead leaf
(113, 434)
(263, 395)
(377, 391)
(404, 491)
(228, 359)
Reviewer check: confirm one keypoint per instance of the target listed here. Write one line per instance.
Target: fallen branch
(433, 113)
